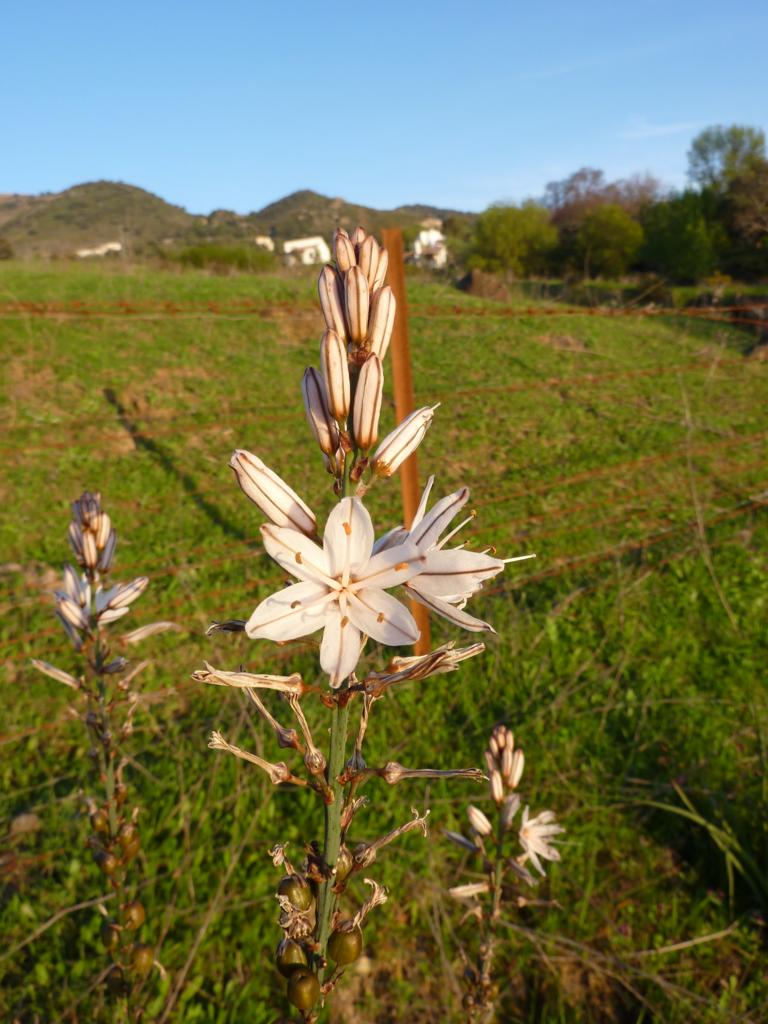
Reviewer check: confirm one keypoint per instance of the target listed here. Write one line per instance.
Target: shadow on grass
(161, 456)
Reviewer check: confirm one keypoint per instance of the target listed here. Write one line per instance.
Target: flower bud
(318, 414)
(71, 612)
(128, 592)
(368, 260)
(356, 304)
(281, 505)
(365, 418)
(497, 787)
(516, 770)
(381, 321)
(75, 538)
(333, 363)
(402, 442)
(112, 615)
(330, 290)
(358, 236)
(103, 530)
(381, 270)
(478, 821)
(90, 551)
(106, 556)
(343, 250)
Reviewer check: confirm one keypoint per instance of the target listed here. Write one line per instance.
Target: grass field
(629, 453)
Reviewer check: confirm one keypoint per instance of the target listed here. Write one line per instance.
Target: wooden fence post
(392, 239)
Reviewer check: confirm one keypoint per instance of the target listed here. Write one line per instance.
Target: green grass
(629, 454)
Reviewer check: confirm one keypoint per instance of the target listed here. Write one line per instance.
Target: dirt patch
(160, 395)
(295, 326)
(563, 342)
(484, 286)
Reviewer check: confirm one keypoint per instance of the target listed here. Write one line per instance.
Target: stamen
(344, 621)
(347, 529)
(298, 557)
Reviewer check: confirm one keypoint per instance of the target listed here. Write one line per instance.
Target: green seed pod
(100, 821)
(116, 984)
(346, 943)
(344, 864)
(110, 934)
(297, 890)
(127, 833)
(134, 915)
(130, 849)
(289, 956)
(107, 861)
(303, 988)
(142, 959)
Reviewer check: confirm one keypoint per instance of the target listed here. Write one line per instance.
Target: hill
(103, 211)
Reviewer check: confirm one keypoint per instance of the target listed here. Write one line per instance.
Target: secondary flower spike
(342, 590)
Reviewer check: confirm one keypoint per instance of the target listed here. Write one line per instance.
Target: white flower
(535, 836)
(342, 589)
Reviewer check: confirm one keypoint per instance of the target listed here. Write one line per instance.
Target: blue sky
(236, 104)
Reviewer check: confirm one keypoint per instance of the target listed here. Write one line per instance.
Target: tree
(6, 252)
(748, 198)
(680, 243)
(720, 154)
(513, 238)
(608, 241)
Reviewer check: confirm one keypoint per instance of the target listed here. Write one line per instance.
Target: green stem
(332, 839)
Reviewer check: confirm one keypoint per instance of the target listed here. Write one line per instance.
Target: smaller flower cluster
(505, 769)
(505, 764)
(343, 399)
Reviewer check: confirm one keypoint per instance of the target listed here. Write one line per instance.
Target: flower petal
(348, 537)
(297, 554)
(392, 567)
(456, 572)
(427, 532)
(293, 612)
(382, 617)
(390, 539)
(340, 648)
(422, 509)
(454, 615)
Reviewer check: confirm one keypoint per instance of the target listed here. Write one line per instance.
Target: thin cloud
(648, 130)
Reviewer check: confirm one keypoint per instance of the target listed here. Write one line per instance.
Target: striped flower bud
(103, 530)
(343, 250)
(112, 614)
(318, 414)
(478, 821)
(333, 363)
(368, 260)
(281, 505)
(358, 236)
(402, 442)
(90, 551)
(497, 787)
(75, 538)
(356, 304)
(365, 417)
(106, 556)
(71, 611)
(126, 593)
(516, 770)
(381, 321)
(381, 270)
(329, 289)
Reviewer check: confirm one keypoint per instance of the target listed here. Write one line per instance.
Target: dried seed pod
(356, 303)
(335, 368)
(365, 417)
(381, 321)
(330, 291)
(303, 988)
(346, 943)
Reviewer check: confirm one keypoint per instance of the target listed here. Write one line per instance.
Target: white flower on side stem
(342, 590)
(535, 837)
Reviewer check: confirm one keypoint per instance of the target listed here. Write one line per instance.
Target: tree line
(586, 226)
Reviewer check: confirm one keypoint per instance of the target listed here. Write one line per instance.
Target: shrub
(223, 259)
(608, 241)
(518, 239)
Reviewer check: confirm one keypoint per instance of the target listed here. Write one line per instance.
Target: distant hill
(91, 214)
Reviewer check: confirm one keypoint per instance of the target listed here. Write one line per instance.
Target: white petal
(293, 612)
(392, 567)
(421, 510)
(382, 617)
(340, 649)
(454, 615)
(437, 519)
(448, 573)
(390, 539)
(348, 537)
(297, 554)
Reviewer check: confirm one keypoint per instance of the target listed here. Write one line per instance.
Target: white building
(430, 248)
(306, 251)
(100, 250)
(264, 242)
